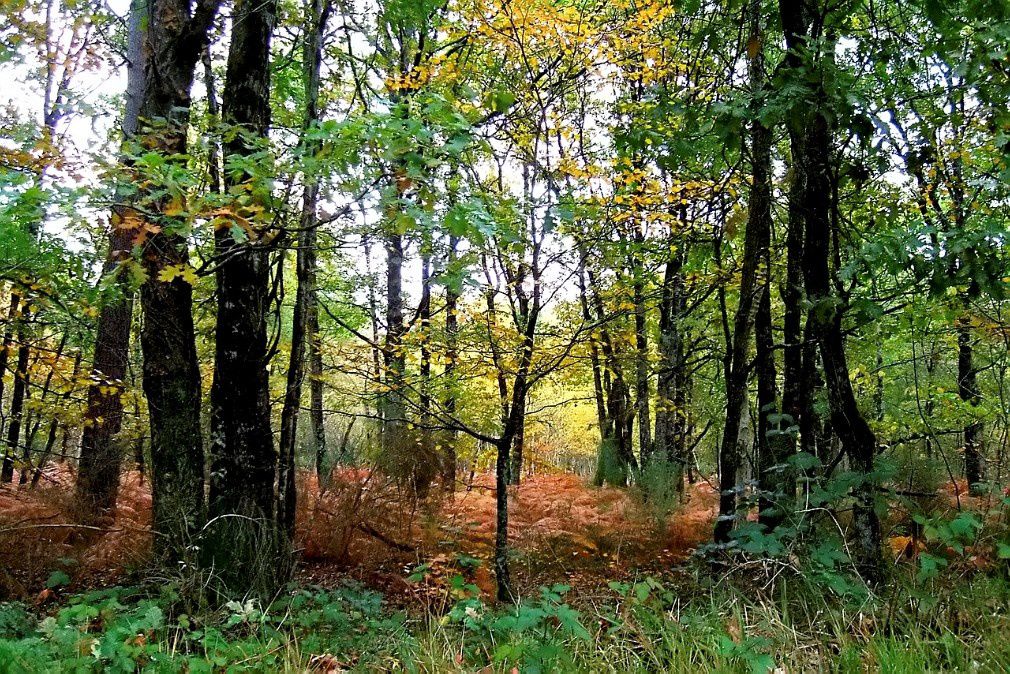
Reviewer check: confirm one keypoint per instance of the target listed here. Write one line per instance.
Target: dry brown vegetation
(366, 526)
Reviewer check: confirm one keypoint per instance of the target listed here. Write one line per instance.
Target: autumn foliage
(363, 524)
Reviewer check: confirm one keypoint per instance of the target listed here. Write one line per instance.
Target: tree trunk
(18, 394)
(243, 458)
(315, 19)
(214, 115)
(174, 41)
(669, 436)
(795, 391)
(756, 241)
(26, 456)
(426, 465)
(616, 459)
(54, 425)
(373, 316)
(172, 387)
(316, 419)
(967, 389)
(776, 481)
(518, 446)
(594, 354)
(451, 354)
(8, 339)
(5, 351)
(501, 564)
(516, 418)
(813, 158)
(773, 480)
(642, 369)
(99, 466)
(394, 413)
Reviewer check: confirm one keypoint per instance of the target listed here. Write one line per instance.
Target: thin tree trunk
(425, 466)
(516, 418)
(320, 14)
(616, 441)
(503, 388)
(642, 369)
(18, 394)
(755, 249)
(54, 424)
(373, 315)
(316, 419)
(776, 481)
(394, 413)
(518, 447)
(99, 466)
(345, 440)
(967, 389)
(214, 112)
(503, 579)
(315, 18)
(449, 458)
(967, 384)
(26, 456)
(8, 339)
(669, 440)
(594, 354)
(773, 480)
(797, 415)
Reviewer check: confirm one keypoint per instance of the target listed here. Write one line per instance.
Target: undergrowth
(785, 601)
(644, 625)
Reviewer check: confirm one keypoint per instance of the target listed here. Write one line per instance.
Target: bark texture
(101, 458)
(247, 541)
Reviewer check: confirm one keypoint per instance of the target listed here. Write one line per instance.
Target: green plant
(533, 635)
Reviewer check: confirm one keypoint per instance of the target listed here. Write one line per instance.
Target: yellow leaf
(180, 271)
(189, 275)
(168, 274)
(174, 207)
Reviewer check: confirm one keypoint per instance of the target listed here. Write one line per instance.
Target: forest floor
(366, 527)
(561, 530)
(387, 583)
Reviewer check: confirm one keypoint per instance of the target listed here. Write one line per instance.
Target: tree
(753, 294)
(65, 43)
(305, 319)
(810, 47)
(99, 466)
(176, 34)
(248, 542)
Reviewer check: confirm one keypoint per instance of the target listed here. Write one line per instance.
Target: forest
(504, 335)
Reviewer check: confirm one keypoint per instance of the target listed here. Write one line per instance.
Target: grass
(644, 626)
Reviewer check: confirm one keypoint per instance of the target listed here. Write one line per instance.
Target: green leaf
(501, 100)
